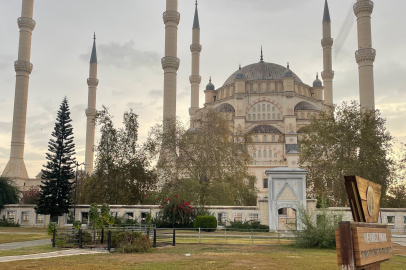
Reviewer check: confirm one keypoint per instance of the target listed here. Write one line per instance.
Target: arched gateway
(286, 189)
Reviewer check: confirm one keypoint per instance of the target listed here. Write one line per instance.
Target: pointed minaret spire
(262, 56)
(93, 58)
(195, 78)
(240, 66)
(92, 83)
(196, 20)
(326, 16)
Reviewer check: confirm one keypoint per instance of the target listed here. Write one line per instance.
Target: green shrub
(60, 240)
(317, 232)
(5, 223)
(77, 224)
(86, 238)
(51, 228)
(208, 223)
(247, 225)
(130, 242)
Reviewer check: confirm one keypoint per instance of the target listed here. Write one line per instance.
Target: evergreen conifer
(56, 188)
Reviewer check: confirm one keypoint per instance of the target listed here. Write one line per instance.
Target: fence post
(252, 236)
(80, 238)
(279, 238)
(154, 242)
(109, 241)
(148, 232)
(225, 233)
(199, 235)
(102, 236)
(53, 238)
(174, 237)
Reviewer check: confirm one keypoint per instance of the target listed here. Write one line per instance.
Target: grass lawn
(13, 237)
(202, 257)
(28, 250)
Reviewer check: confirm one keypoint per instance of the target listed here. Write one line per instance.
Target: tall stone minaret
(365, 55)
(195, 79)
(327, 44)
(92, 82)
(170, 63)
(15, 167)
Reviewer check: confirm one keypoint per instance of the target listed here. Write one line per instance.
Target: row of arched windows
(265, 138)
(224, 93)
(304, 115)
(267, 107)
(264, 154)
(262, 88)
(264, 116)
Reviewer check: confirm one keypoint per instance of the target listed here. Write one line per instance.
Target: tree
(123, 171)
(396, 197)
(345, 141)
(98, 217)
(30, 196)
(206, 164)
(9, 192)
(56, 188)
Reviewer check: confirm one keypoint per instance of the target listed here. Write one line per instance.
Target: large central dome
(261, 71)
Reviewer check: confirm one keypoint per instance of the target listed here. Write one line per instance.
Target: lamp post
(76, 188)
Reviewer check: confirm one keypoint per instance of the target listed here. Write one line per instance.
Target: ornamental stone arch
(286, 189)
(258, 100)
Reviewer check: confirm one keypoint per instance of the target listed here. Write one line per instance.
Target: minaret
(92, 82)
(170, 63)
(365, 55)
(15, 167)
(327, 44)
(195, 79)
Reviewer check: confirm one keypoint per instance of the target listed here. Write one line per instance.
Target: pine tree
(56, 188)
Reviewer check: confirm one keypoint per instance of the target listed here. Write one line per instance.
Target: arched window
(273, 138)
(251, 88)
(268, 107)
(259, 154)
(270, 153)
(275, 155)
(254, 155)
(279, 116)
(290, 128)
(254, 109)
(268, 87)
(263, 107)
(256, 138)
(264, 153)
(249, 117)
(259, 108)
(263, 116)
(259, 87)
(265, 139)
(273, 109)
(228, 92)
(259, 117)
(269, 116)
(276, 87)
(308, 116)
(254, 117)
(273, 116)
(302, 116)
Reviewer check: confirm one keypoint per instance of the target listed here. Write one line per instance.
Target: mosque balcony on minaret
(366, 54)
(327, 42)
(170, 62)
(196, 48)
(91, 112)
(26, 23)
(327, 74)
(92, 82)
(195, 79)
(364, 6)
(171, 16)
(23, 66)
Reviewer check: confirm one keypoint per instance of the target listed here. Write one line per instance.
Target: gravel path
(69, 252)
(17, 245)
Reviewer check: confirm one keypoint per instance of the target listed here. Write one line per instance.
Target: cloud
(125, 56)
(156, 93)
(4, 153)
(5, 127)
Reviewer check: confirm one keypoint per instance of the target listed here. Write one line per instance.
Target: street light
(76, 188)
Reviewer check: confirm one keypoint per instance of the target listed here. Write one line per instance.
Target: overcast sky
(130, 44)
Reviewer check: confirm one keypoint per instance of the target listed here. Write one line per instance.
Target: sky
(130, 44)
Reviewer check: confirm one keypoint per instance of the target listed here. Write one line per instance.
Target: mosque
(266, 98)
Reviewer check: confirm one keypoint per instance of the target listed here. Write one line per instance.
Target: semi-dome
(210, 86)
(261, 71)
(317, 82)
(265, 129)
(225, 108)
(305, 106)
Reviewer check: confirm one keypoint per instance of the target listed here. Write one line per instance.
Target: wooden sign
(366, 244)
(364, 197)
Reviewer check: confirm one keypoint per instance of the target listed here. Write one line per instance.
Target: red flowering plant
(176, 212)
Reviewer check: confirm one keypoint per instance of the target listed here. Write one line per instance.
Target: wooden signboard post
(364, 243)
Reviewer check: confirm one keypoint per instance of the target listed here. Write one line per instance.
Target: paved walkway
(24, 244)
(64, 253)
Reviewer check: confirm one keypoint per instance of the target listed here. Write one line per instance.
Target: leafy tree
(98, 217)
(206, 164)
(56, 188)
(9, 192)
(396, 197)
(123, 170)
(345, 141)
(30, 196)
